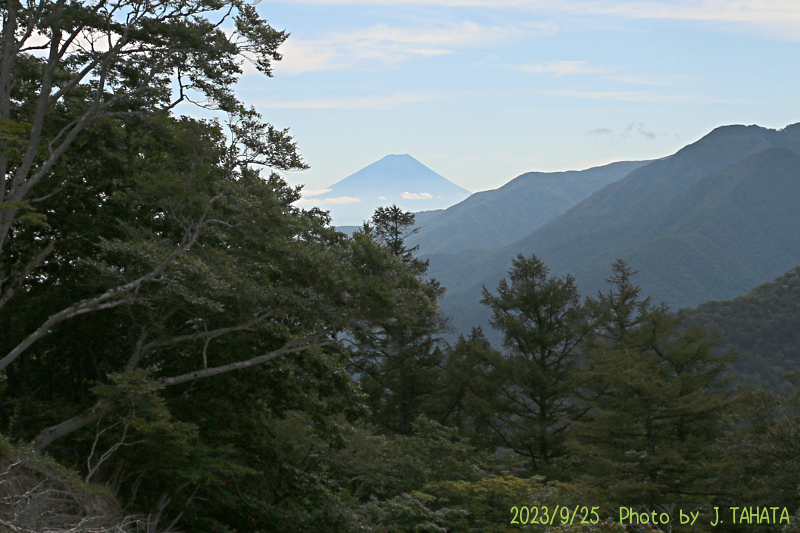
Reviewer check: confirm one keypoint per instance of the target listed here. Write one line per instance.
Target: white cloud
(415, 196)
(382, 198)
(329, 201)
(637, 96)
(388, 44)
(366, 102)
(559, 69)
(687, 9)
(316, 192)
(300, 56)
(562, 68)
(781, 18)
(713, 10)
(446, 3)
(635, 79)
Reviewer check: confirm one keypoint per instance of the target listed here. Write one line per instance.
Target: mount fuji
(394, 179)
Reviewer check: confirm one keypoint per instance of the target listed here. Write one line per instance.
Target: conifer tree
(543, 323)
(657, 400)
(472, 385)
(393, 226)
(399, 355)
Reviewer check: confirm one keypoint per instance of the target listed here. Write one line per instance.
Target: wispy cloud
(308, 56)
(388, 44)
(562, 68)
(743, 10)
(365, 102)
(779, 15)
(750, 11)
(640, 96)
(415, 196)
(442, 3)
(776, 18)
(638, 128)
(633, 128)
(316, 192)
(636, 79)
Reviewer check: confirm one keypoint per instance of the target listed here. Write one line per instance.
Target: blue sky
(482, 91)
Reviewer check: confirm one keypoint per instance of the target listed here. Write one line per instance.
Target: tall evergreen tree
(657, 401)
(472, 385)
(544, 324)
(399, 355)
(393, 226)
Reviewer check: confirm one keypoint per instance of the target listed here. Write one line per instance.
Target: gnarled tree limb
(51, 434)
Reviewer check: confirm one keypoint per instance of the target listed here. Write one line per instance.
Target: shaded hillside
(495, 218)
(693, 236)
(631, 200)
(764, 326)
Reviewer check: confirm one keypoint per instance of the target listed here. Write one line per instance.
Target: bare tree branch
(34, 498)
(8, 292)
(289, 347)
(108, 453)
(51, 434)
(112, 297)
(206, 336)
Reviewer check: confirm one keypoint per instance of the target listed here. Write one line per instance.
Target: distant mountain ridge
(394, 179)
(709, 222)
(497, 217)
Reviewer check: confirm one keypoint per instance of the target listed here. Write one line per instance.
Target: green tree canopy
(544, 324)
(399, 355)
(658, 400)
(393, 226)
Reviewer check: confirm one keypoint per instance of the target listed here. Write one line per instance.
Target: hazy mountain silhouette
(394, 179)
(707, 223)
(501, 216)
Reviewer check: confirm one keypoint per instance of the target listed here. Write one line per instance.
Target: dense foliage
(198, 354)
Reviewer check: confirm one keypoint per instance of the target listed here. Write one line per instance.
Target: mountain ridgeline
(707, 223)
(489, 219)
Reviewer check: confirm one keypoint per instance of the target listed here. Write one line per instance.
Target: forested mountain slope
(490, 219)
(764, 327)
(708, 223)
